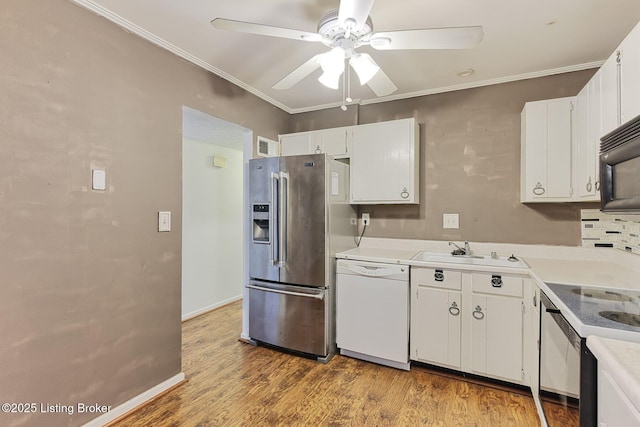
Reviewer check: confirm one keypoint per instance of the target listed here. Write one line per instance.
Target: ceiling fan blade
(428, 38)
(264, 30)
(358, 10)
(381, 84)
(298, 74)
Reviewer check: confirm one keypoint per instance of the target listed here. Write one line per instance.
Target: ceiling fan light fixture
(330, 80)
(364, 67)
(332, 62)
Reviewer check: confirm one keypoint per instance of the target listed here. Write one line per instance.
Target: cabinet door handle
(589, 186)
(438, 276)
(318, 150)
(477, 313)
(535, 300)
(538, 190)
(597, 185)
(404, 193)
(454, 309)
(496, 281)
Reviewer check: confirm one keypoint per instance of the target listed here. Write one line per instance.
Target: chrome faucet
(461, 251)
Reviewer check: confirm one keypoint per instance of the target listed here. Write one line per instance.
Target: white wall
(212, 236)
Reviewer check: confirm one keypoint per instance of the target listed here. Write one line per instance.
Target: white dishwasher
(372, 312)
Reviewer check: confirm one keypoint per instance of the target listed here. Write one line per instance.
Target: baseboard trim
(208, 308)
(131, 404)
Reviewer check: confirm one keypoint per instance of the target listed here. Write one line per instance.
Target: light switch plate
(451, 221)
(98, 179)
(164, 221)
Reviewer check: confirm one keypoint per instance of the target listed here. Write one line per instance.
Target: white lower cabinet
(470, 321)
(439, 345)
(532, 335)
(614, 407)
(496, 337)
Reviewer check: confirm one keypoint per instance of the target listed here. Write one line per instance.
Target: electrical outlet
(354, 221)
(365, 219)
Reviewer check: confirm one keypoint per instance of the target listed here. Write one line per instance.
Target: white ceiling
(523, 39)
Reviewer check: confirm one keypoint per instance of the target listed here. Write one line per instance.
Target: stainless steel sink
(445, 257)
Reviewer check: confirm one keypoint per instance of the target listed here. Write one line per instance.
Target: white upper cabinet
(630, 76)
(384, 163)
(295, 143)
(546, 138)
(610, 90)
(588, 129)
(334, 142)
(620, 83)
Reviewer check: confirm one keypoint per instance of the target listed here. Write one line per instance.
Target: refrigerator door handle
(282, 215)
(273, 212)
(278, 291)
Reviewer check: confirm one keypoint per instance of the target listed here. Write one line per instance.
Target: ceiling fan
(348, 28)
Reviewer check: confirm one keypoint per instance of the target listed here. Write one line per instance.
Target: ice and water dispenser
(261, 222)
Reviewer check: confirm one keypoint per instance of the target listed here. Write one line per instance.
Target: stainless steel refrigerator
(300, 215)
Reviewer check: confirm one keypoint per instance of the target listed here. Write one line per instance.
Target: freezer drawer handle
(297, 294)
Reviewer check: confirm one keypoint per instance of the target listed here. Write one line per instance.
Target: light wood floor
(231, 383)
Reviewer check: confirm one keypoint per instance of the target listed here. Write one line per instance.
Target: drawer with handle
(497, 284)
(436, 277)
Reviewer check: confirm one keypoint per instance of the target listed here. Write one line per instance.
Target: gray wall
(89, 290)
(469, 164)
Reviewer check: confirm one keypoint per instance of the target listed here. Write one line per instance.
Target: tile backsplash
(610, 230)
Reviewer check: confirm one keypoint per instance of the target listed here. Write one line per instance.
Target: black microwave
(620, 169)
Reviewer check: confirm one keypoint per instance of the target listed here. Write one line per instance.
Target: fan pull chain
(345, 81)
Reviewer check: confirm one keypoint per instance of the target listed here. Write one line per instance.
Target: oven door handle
(553, 310)
(297, 294)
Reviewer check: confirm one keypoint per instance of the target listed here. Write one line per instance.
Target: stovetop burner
(621, 317)
(601, 307)
(600, 294)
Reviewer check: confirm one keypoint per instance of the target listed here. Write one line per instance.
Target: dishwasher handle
(370, 271)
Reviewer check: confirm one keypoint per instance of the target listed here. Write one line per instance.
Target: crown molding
(131, 27)
(471, 85)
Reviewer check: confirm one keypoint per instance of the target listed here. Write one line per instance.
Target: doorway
(212, 211)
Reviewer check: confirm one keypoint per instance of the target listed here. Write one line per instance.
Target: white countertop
(599, 267)
(605, 274)
(621, 359)
(393, 255)
(385, 255)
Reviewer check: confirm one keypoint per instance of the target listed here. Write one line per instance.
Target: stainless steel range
(568, 370)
